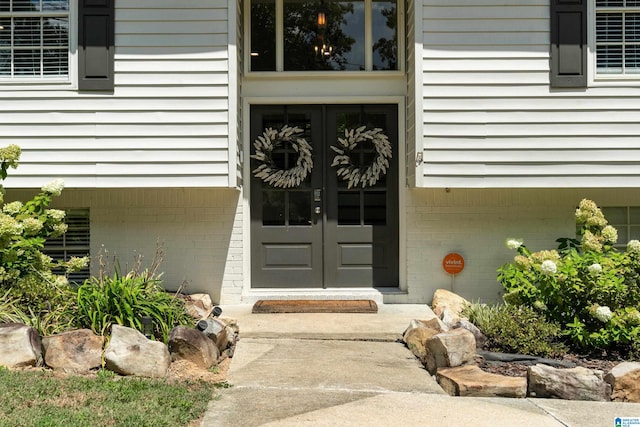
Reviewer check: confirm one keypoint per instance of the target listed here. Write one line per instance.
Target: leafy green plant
(125, 299)
(586, 285)
(513, 329)
(31, 292)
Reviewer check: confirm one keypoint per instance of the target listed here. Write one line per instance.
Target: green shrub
(513, 329)
(124, 300)
(586, 285)
(30, 291)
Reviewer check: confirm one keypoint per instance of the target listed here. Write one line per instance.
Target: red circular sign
(453, 263)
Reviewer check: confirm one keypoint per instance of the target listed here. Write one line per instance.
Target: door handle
(317, 211)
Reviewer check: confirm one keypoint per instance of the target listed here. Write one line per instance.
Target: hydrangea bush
(26, 274)
(586, 285)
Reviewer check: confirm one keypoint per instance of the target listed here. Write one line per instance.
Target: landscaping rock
(199, 306)
(131, 353)
(624, 379)
(450, 348)
(73, 351)
(448, 317)
(20, 346)
(481, 339)
(192, 345)
(443, 298)
(470, 380)
(571, 384)
(415, 337)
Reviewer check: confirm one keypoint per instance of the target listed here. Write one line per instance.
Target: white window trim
(66, 83)
(280, 73)
(594, 79)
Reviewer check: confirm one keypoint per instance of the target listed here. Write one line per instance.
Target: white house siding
(165, 125)
(476, 223)
(490, 118)
(200, 229)
(412, 112)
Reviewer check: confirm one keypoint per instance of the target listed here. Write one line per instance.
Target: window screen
(617, 31)
(34, 39)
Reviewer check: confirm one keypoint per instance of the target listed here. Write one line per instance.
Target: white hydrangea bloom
(54, 187)
(513, 243)
(595, 268)
(61, 281)
(56, 214)
(610, 234)
(77, 264)
(12, 208)
(549, 267)
(32, 225)
(603, 314)
(59, 229)
(633, 246)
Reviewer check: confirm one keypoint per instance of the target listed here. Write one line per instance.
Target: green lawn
(41, 398)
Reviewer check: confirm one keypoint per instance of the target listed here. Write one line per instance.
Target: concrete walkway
(350, 370)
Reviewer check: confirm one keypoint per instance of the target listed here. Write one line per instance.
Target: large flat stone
(571, 384)
(470, 380)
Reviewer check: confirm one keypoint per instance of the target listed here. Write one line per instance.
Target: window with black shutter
(36, 46)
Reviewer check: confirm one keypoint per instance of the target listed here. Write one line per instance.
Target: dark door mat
(315, 306)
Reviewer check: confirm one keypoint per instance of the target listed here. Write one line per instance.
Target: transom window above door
(323, 35)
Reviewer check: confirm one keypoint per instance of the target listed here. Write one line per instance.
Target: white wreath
(271, 174)
(355, 174)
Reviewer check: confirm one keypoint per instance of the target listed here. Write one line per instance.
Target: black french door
(319, 231)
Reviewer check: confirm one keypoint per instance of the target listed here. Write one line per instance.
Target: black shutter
(568, 43)
(96, 44)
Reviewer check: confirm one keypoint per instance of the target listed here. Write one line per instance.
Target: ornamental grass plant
(586, 285)
(125, 299)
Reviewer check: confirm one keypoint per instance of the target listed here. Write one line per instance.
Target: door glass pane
(323, 35)
(375, 207)
(273, 207)
(349, 207)
(263, 35)
(385, 35)
(299, 208)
